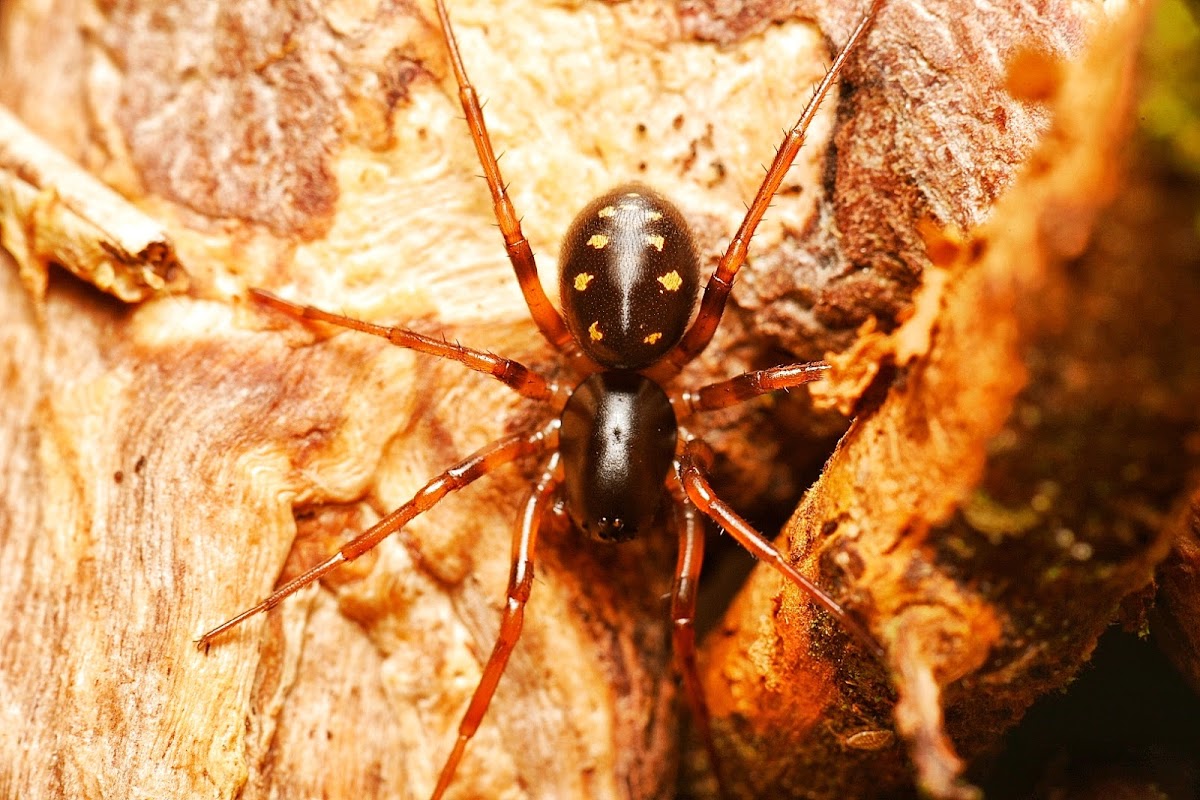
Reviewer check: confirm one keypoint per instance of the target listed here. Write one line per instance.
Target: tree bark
(166, 464)
(1015, 472)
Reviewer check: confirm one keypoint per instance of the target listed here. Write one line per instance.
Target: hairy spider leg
(747, 386)
(691, 468)
(716, 293)
(683, 620)
(466, 471)
(548, 320)
(520, 584)
(512, 374)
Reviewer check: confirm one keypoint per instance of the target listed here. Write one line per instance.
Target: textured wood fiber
(165, 465)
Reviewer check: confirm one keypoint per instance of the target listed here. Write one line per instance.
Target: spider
(614, 449)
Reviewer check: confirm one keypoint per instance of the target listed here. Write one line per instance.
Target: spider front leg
(692, 466)
(465, 472)
(520, 584)
(548, 320)
(716, 293)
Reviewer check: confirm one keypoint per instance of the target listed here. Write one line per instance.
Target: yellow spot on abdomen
(671, 281)
(656, 241)
(582, 280)
(652, 338)
(607, 211)
(653, 216)
(598, 241)
(594, 331)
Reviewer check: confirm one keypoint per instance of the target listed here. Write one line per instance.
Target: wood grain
(165, 465)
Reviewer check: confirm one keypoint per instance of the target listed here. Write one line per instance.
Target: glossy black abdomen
(628, 277)
(617, 440)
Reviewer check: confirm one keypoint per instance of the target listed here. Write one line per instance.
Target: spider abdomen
(628, 277)
(617, 440)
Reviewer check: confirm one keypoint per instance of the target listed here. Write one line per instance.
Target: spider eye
(615, 529)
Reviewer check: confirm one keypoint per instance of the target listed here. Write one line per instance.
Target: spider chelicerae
(615, 448)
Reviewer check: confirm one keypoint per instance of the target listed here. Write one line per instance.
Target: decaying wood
(1003, 489)
(1177, 617)
(165, 465)
(53, 212)
(1168, 208)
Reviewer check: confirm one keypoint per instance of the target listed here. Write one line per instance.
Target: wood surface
(1017, 441)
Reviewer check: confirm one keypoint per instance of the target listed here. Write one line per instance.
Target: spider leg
(475, 466)
(520, 584)
(548, 320)
(683, 616)
(749, 385)
(719, 285)
(512, 374)
(692, 466)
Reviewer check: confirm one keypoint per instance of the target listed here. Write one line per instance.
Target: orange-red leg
(750, 385)
(716, 293)
(692, 465)
(683, 617)
(520, 583)
(476, 466)
(548, 320)
(512, 374)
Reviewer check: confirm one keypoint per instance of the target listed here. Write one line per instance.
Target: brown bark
(165, 465)
(1019, 444)
(1177, 615)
